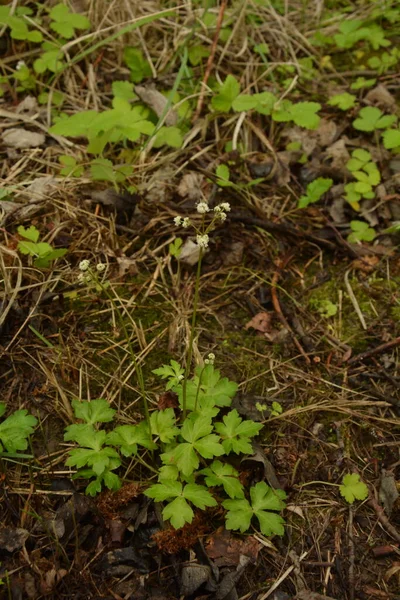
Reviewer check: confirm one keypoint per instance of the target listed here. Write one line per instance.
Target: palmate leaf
(95, 411)
(229, 90)
(163, 425)
(223, 474)
(208, 389)
(15, 430)
(96, 459)
(178, 512)
(127, 438)
(353, 488)
(263, 500)
(236, 433)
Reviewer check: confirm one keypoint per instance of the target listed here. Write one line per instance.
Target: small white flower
(84, 265)
(100, 267)
(186, 223)
(211, 356)
(202, 240)
(203, 208)
(221, 216)
(81, 278)
(225, 206)
(210, 359)
(178, 221)
(20, 64)
(180, 377)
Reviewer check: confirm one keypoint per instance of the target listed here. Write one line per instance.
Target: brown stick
(377, 350)
(210, 61)
(383, 519)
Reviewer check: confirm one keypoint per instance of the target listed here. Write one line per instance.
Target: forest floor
(298, 293)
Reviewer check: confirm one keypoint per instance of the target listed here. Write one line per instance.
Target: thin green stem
(192, 333)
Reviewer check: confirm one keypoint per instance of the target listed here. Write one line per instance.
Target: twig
(277, 307)
(373, 351)
(210, 61)
(380, 513)
(354, 300)
(351, 554)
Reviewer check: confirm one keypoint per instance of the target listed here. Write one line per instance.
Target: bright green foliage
(263, 500)
(371, 118)
(65, 22)
(56, 98)
(367, 175)
(303, 114)
(361, 232)
(207, 389)
(70, 168)
(15, 430)
(51, 59)
(197, 53)
(93, 452)
(315, 190)
(391, 139)
(102, 169)
(223, 474)
(168, 136)
(43, 252)
(263, 103)
(325, 307)
(26, 79)
(18, 25)
(261, 48)
(175, 249)
(128, 437)
(95, 411)
(353, 31)
(228, 91)
(353, 488)
(178, 511)
(276, 409)
(137, 63)
(163, 425)
(385, 61)
(198, 441)
(124, 90)
(173, 372)
(343, 101)
(223, 175)
(236, 434)
(361, 83)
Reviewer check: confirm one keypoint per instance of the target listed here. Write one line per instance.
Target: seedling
(353, 488)
(315, 190)
(371, 118)
(15, 431)
(65, 22)
(227, 92)
(42, 252)
(343, 101)
(276, 409)
(361, 232)
(70, 168)
(391, 139)
(138, 65)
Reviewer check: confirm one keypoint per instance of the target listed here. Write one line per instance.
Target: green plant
(371, 118)
(315, 190)
(365, 171)
(276, 409)
(361, 232)
(138, 65)
(18, 25)
(64, 22)
(42, 252)
(353, 31)
(70, 166)
(227, 92)
(343, 101)
(391, 139)
(353, 488)
(15, 431)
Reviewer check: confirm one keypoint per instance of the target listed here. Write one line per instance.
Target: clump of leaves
(353, 488)
(315, 190)
(64, 22)
(361, 232)
(365, 171)
(15, 430)
(343, 101)
(42, 252)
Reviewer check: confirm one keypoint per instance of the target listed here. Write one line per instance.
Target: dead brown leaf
(226, 550)
(381, 96)
(190, 186)
(17, 137)
(260, 322)
(157, 102)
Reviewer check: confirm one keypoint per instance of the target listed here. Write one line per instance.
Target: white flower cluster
(202, 240)
(203, 208)
(210, 359)
(221, 209)
(85, 275)
(180, 221)
(20, 64)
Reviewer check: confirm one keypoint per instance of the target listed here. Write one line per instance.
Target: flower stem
(192, 334)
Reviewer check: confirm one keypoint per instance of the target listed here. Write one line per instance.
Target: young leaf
(391, 139)
(353, 488)
(174, 372)
(163, 425)
(164, 491)
(138, 65)
(124, 90)
(236, 433)
(15, 430)
(263, 500)
(371, 118)
(198, 495)
(178, 512)
(343, 101)
(65, 22)
(305, 115)
(361, 231)
(227, 93)
(168, 136)
(223, 474)
(95, 411)
(31, 233)
(127, 437)
(222, 172)
(209, 389)
(315, 190)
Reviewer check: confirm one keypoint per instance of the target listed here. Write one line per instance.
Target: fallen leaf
(388, 493)
(339, 154)
(367, 264)
(194, 576)
(190, 186)
(226, 549)
(260, 322)
(394, 570)
(190, 252)
(157, 102)
(12, 538)
(17, 137)
(41, 188)
(51, 579)
(326, 132)
(380, 96)
(28, 106)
